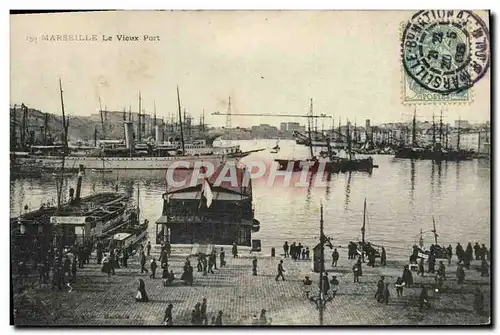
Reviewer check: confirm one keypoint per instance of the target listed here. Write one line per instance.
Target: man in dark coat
(459, 251)
(125, 257)
(280, 271)
(379, 295)
(167, 319)
(148, 248)
(469, 251)
(153, 269)
(335, 257)
(285, 249)
(143, 263)
(235, 250)
(407, 276)
(424, 298)
(383, 257)
(218, 321)
(477, 251)
(479, 301)
(99, 252)
(254, 266)
(203, 312)
(460, 274)
(356, 270)
(421, 267)
(431, 263)
(222, 257)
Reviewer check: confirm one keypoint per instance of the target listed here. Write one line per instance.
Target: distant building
(477, 141)
(283, 126)
(462, 124)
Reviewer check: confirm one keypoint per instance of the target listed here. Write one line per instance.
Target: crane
(321, 116)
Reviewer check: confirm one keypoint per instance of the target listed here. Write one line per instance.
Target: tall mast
(363, 233)
(153, 131)
(414, 128)
(441, 128)
(434, 231)
(321, 267)
(65, 145)
(309, 128)
(180, 121)
(349, 140)
(140, 126)
(433, 132)
(446, 137)
(102, 117)
(14, 138)
(458, 134)
(130, 112)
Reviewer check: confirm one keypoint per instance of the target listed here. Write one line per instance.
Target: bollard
(273, 252)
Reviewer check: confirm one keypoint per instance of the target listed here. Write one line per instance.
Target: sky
(269, 62)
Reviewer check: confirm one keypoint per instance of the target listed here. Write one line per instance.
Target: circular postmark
(446, 51)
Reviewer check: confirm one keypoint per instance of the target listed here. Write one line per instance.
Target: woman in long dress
(141, 292)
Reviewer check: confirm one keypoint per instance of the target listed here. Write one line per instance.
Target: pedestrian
(360, 267)
(477, 251)
(235, 250)
(165, 274)
(285, 249)
(386, 294)
(218, 320)
(262, 318)
(307, 253)
(449, 253)
(125, 257)
(111, 262)
(431, 263)
(222, 257)
(485, 268)
(280, 271)
(304, 253)
(141, 295)
(407, 276)
(442, 270)
(421, 268)
(254, 266)
(355, 272)
(199, 265)
(326, 284)
(73, 269)
(459, 251)
(383, 257)
(167, 319)
(479, 301)
(203, 312)
(210, 264)
(205, 264)
(197, 313)
(460, 274)
(99, 252)
(424, 299)
(467, 260)
(213, 321)
(148, 248)
(484, 251)
(468, 251)
(335, 257)
(214, 258)
(379, 295)
(153, 268)
(143, 263)
(399, 287)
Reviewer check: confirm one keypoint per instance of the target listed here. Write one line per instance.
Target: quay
(99, 299)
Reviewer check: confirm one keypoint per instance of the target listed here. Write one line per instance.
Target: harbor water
(402, 197)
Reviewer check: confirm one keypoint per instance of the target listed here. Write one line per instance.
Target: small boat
(364, 247)
(420, 251)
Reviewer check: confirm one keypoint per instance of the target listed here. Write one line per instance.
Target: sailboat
(364, 247)
(421, 251)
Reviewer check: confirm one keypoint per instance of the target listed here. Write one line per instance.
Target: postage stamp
(444, 53)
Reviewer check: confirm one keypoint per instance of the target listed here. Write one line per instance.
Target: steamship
(119, 154)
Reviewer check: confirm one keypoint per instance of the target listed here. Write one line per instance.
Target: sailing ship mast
(180, 121)
(458, 134)
(140, 128)
(65, 146)
(434, 231)
(363, 233)
(310, 120)
(414, 128)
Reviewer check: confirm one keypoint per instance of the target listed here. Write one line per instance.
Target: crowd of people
(296, 251)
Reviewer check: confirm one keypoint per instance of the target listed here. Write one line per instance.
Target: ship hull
(120, 163)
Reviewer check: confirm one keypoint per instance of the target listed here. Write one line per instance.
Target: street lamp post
(321, 299)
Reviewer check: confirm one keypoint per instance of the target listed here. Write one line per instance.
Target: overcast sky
(268, 62)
